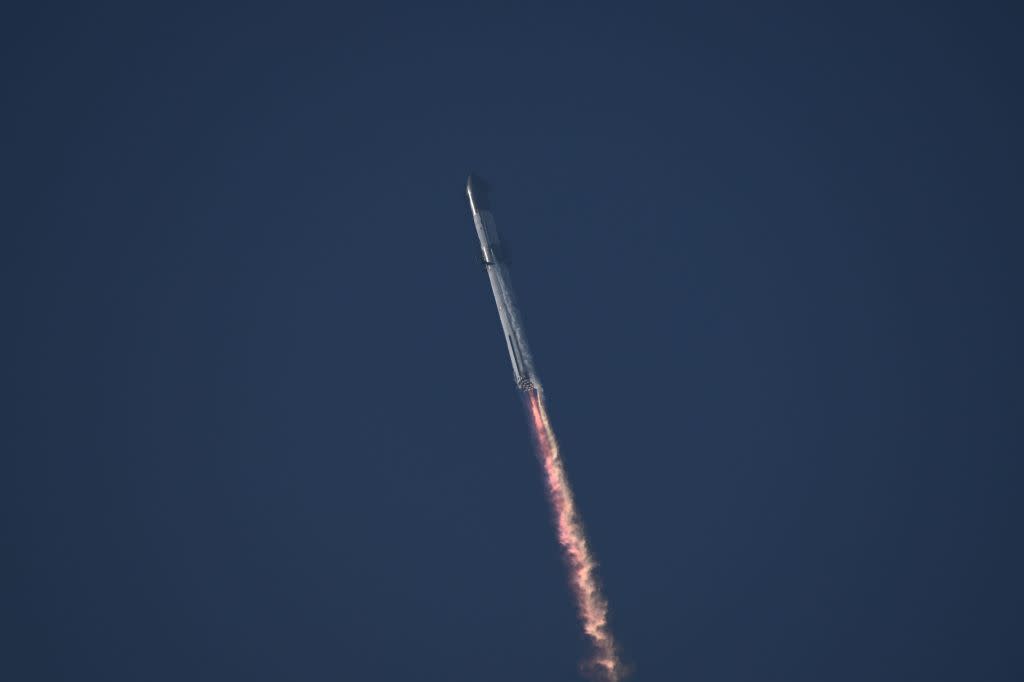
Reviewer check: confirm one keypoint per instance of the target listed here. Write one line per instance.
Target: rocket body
(497, 272)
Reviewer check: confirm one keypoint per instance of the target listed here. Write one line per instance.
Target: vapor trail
(591, 604)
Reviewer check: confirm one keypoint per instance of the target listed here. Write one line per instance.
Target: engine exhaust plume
(590, 603)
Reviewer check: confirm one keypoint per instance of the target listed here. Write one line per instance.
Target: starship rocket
(494, 262)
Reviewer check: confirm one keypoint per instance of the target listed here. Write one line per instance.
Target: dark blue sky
(261, 422)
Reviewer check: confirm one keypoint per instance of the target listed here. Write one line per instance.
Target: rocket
(497, 272)
(592, 606)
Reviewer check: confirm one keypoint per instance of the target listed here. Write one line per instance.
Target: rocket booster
(497, 272)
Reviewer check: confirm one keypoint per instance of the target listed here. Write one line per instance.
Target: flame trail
(592, 606)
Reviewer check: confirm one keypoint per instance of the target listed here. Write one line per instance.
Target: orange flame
(592, 606)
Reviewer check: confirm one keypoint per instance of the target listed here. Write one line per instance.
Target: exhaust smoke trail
(591, 604)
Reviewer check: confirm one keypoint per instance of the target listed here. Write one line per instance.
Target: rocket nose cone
(479, 192)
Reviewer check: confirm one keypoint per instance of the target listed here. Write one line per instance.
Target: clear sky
(261, 423)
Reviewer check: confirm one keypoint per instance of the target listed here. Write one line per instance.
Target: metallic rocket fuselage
(497, 272)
